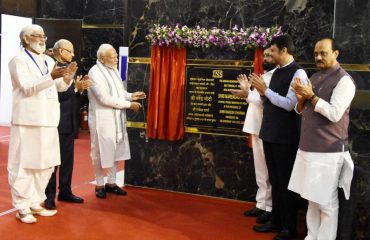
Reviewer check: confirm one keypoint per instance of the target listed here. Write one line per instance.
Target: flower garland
(200, 37)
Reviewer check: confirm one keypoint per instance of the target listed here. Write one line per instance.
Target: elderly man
(34, 143)
(323, 162)
(63, 53)
(108, 101)
(252, 125)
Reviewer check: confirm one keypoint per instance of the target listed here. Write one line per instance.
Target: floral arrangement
(199, 37)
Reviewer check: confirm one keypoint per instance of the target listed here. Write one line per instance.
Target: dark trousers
(66, 142)
(280, 160)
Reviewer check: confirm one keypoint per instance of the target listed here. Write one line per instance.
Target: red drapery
(257, 69)
(165, 115)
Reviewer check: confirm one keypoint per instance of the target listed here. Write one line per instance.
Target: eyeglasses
(70, 51)
(39, 36)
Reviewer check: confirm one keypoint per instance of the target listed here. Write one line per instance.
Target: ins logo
(218, 73)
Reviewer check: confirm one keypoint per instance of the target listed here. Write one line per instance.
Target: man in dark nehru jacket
(280, 135)
(323, 161)
(63, 53)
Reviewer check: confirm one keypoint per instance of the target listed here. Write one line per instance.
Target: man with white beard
(108, 101)
(34, 142)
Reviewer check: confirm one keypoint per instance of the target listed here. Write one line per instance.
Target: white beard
(115, 66)
(38, 48)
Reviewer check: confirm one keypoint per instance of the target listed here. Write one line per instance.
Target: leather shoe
(255, 212)
(100, 193)
(268, 227)
(115, 189)
(286, 235)
(50, 204)
(70, 198)
(263, 218)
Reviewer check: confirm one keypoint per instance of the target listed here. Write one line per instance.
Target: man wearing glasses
(63, 53)
(34, 143)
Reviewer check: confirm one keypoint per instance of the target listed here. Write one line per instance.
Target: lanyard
(46, 64)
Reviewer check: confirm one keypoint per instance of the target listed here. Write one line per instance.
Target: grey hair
(103, 49)
(27, 31)
(60, 43)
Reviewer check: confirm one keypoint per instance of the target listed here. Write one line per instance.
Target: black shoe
(255, 212)
(286, 235)
(263, 218)
(115, 189)
(100, 193)
(50, 204)
(70, 198)
(268, 227)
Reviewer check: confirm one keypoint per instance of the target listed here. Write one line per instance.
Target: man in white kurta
(108, 101)
(252, 125)
(34, 143)
(323, 162)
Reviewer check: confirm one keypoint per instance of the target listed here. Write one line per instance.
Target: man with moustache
(108, 101)
(323, 162)
(252, 125)
(280, 135)
(34, 143)
(63, 53)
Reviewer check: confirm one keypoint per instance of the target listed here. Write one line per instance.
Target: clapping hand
(244, 84)
(301, 90)
(82, 83)
(57, 72)
(258, 83)
(71, 70)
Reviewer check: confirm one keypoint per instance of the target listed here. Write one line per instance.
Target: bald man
(63, 53)
(34, 142)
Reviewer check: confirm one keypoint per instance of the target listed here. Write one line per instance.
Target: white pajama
(28, 186)
(322, 220)
(263, 196)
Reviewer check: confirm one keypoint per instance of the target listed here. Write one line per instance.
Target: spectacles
(70, 51)
(39, 36)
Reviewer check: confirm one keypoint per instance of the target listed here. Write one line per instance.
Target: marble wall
(219, 165)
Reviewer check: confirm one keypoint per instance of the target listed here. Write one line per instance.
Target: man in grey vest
(323, 162)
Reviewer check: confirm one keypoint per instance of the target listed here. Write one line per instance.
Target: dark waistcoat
(279, 125)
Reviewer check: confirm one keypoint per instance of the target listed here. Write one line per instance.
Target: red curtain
(257, 69)
(165, 115)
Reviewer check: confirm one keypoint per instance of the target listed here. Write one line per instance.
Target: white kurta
(108, 101)
(316, 175)
(253, 119)
(35, 112)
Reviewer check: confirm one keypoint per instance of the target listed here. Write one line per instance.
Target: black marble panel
(92, 12)
(203, 164)
(93, 38)
(305, 20)
(352, 30)
(63, 9)
(138, 80)
(104, 12)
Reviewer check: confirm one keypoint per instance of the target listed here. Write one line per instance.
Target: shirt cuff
(319, 105)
